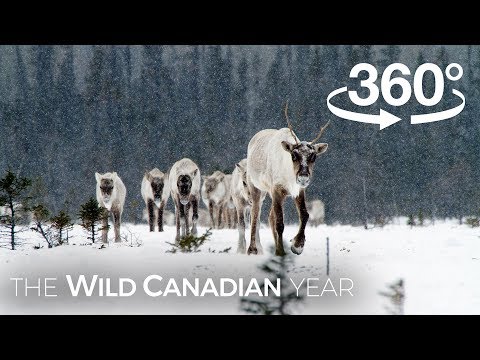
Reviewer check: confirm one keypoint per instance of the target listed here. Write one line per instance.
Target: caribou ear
(148, 176)
(287, 146)
(114, 175)
(98, 176)
(320, 148)
(221, 177)
(195, 172)
(204, 177)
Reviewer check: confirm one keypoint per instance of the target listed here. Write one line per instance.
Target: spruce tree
(62, 223)
(411, 220)
(276, 267)
(12, 193)
(421, 217)
(396, 296)
(190, 243)
(91, 215)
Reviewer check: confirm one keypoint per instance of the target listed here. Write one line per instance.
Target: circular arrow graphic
(441, 115)
(384, 119)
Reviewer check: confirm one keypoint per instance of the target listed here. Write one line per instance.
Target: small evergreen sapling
(62, 223)
(91, 215)
(396, 296)
(190, 243)
(421, 218)
(12, 192)
(473, 221)
(411, 220)
(276, 267)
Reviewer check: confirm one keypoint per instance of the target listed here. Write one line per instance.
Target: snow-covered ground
(439, 264)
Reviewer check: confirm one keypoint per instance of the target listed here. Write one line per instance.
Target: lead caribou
(155, 193)
(184, 179)
(279, 164)
(111, 193)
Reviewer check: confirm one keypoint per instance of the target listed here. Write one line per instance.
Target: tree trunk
(12, 228)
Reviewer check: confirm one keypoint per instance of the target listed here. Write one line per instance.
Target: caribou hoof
(252, 250)
(296, 250)
(280, 252)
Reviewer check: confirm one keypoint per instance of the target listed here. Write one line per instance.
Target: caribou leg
(177, 219)
(116, 225)
(252, 249)
(272, 222)
(257, 230)
(182, 218)
(105, 228)
(255, 245)
(187, 218)
(210, 209)
(278, 199)
(299, 239)
(235, 218)
(194, 201)
(151, 215)
(160, 216)
(228, 217)
(220, 213)
(241, 230)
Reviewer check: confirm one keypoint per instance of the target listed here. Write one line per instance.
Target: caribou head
(184, 184)
(157, 184)
(304, 153)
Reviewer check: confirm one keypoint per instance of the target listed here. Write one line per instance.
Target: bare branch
(320, 133)
(289, 124)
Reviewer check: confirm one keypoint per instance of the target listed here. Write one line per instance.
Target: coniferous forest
(69, 111)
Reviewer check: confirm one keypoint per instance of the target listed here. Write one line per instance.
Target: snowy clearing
(439, 264)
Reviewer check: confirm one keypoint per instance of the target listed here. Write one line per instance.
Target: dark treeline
(130, 109)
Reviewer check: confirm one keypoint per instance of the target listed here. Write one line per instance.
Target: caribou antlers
(320, 133)
(289, 124)
(291, 131)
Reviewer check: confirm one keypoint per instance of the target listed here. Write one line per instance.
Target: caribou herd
(278, 163)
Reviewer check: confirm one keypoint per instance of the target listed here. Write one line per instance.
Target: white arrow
(441, 115)
(384, 119)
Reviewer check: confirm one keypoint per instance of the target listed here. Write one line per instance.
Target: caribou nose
(303, 180)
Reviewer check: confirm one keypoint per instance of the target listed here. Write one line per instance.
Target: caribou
(184, 179)
(215, 190)
(316, 209)
(279, 164)
(111, 193)
(230, 212)
(155, 193)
